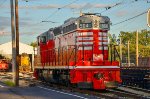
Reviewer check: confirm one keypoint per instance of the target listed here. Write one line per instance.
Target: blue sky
(33, 12)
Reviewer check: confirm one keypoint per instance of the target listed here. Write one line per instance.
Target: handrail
(63, 55)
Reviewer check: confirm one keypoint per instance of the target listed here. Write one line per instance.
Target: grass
(9, 83)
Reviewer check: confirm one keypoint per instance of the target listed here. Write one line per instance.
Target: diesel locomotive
(77, 53)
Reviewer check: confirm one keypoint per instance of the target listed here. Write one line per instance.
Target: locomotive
(4, 65)
(77, 53)
(24, 63)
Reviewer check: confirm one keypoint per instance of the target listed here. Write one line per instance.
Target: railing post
(114, 53)
(66, 55)
(92, 53)
(62, 56)
(83, 54)
(111, 52)
(58, 55)
(75, 54)
(55, 56)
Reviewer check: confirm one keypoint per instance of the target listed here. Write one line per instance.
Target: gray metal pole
(120, 50)
(128, 53)
(14, 58)
(137, 50)
(17, 41)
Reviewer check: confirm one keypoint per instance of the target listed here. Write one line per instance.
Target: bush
(9, 83)
(1, 56)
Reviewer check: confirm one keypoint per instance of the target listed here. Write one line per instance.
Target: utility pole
(120, 50)
(14, 57)
(128, 53)
(137, 50)
(17, 41)
(148, 18)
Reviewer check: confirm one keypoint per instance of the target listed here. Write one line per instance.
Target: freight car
(77, 53)
(137, 76)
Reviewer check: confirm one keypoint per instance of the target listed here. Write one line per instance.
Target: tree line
(143, 42)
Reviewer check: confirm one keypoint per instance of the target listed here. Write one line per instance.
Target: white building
(6, 49)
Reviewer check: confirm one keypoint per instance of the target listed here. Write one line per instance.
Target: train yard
(78, 57)
(75, 58)
(27, 80)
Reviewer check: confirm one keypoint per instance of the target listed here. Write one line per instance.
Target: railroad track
(106, 94)
(23, 77)
(125, 94)
(136, 88)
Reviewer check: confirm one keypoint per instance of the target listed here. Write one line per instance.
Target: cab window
(104, 25)
(43, 39)
(83, 24)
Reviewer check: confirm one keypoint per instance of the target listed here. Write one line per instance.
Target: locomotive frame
(77, 53)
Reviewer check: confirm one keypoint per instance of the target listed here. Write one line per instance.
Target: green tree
(144, 42)
(1, 56)
(112, 39)
(34, 44)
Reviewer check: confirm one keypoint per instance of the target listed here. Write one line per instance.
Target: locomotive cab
(92, 21)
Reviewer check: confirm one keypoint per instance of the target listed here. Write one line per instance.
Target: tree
(112, 39)
(34, 44)
(144, 42)
(1, 56)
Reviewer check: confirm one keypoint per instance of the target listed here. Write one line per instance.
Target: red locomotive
(77, 53)
(4, 66)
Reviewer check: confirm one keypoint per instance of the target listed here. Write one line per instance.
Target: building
(6, 49)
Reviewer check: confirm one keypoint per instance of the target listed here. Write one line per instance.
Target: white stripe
(51, 67)
(85, 48)
(84, 33)
(102, 38)
(86, 43)
(85, 38)
(105, 43)
(74, 67)
(63, 92)
(101, 48)
(102, 33)
(97, 67)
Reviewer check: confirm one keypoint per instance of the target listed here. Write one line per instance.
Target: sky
(35, 16)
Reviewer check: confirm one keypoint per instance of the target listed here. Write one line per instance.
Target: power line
(50, 21)
(109, 7)
(123, 26)
(58, 9)
(68, 4)
(130, 18)
(120, 3)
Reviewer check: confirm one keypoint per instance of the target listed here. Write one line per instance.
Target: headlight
(98, 75)
(98, 57)
(3, 66)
